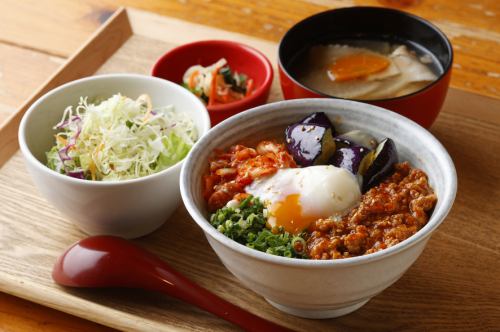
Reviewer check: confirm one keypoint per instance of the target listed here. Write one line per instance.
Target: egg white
(325, 191)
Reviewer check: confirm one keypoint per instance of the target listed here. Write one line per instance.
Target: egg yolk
(359, 65)
(288, 214)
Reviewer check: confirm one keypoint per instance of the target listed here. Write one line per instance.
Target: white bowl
(129, 208)
(320, 288)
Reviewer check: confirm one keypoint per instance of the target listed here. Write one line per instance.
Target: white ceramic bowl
(129, 208)
(313, 288)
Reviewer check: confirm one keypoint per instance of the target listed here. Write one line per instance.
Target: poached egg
(295, 197)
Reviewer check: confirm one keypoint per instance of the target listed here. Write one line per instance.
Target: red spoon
(108, 261)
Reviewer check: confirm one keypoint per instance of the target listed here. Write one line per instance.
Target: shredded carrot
(92, 165)
(213, 88)
(249, 87)
(192, 77)
(226, 97)
(92, 169)
(61, 140)
(97, 149)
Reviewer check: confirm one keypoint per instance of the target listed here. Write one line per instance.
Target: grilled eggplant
(310, 141)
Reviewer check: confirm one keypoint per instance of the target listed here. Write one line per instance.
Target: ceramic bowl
(320, 288)
(241, 58)
(129, 208)
(356, 23)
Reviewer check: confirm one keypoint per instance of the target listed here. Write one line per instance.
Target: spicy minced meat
(387, 214)
(232, 170)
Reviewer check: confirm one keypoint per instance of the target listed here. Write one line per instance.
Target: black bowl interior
(357, 23)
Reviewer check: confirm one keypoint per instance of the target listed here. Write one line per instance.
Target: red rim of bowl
(225, 107)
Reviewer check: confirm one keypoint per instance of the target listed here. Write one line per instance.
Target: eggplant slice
(310, 141)
(384, 158)
(353, 158)
(319, 119)
(356, 138)
(309, 144)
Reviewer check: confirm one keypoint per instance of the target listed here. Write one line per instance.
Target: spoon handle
(174, 284)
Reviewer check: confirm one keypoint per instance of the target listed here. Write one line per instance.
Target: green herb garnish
(246, 224)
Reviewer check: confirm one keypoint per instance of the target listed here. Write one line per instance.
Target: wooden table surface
(37, 36)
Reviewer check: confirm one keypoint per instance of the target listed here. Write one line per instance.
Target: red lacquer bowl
(241, 58)
(357, 23)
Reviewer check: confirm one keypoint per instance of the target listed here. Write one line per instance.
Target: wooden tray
(33, 233)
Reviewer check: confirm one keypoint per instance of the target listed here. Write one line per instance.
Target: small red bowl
(241, 58)
(355, 23)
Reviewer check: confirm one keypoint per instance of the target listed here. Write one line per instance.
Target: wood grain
(21, 315)
(453, 285)
(15, 84)
(21, 72)
(55, 27)
(84, 62)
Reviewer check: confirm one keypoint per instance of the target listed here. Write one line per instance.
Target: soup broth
(366, 69)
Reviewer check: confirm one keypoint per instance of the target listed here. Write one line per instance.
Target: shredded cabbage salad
(119, 139)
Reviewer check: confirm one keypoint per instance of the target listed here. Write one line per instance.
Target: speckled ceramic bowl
(312, 288)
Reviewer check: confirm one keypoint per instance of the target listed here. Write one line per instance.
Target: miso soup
(366, 69)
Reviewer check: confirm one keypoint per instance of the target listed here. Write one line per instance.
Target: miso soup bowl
(358, 23)
(128, 208)
(320, 288)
